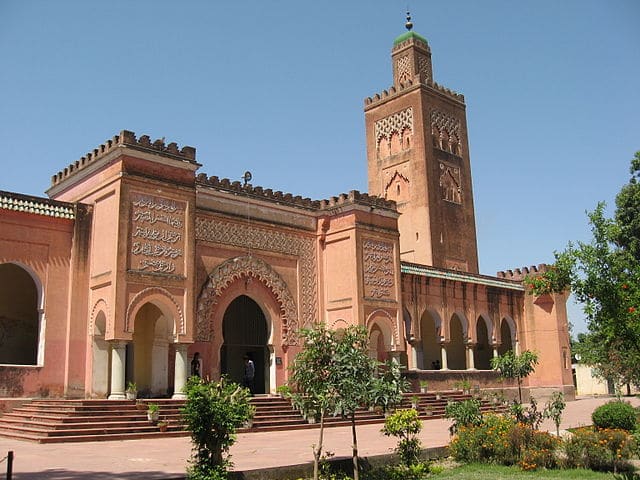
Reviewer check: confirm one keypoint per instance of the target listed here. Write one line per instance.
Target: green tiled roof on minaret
(409, 34)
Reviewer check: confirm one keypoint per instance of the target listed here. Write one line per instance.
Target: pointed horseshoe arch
(387, 325)
(246, 267)
(165, 298)
(100, 306)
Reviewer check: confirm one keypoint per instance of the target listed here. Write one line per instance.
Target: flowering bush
(487, 442)
(599, 449)
(500, 439)
(464, 414)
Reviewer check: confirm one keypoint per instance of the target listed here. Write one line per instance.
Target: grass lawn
(495, 472)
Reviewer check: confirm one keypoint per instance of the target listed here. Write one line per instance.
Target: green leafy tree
(515, 366)
(554, 408)
(212, 413)
(312, 380)
(362, 381)
(605, 277)
(334, 374)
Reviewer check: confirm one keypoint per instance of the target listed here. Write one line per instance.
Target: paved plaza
(167, 458)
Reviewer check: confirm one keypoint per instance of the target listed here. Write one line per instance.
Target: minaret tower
(418, 155)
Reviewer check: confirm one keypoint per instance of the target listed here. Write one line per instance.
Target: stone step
(53, 420)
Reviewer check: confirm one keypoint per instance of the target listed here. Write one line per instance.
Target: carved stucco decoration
(387, 324)
(396, 123)
(446, 129)
(403, 68)
(424, 67)
(100, 306)
(246, 267)
(245, 236)
(450, 183)
(143, 296)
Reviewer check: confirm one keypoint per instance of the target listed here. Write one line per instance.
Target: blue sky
(277, 88)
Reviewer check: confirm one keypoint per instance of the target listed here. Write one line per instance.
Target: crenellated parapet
(354, 197)
(128, 139)
(520, 273)
(256, 192)
(402, 87)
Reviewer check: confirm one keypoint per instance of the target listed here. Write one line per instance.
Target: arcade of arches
(459, 350)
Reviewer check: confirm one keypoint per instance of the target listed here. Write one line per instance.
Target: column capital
(118, 344)
(181, 347)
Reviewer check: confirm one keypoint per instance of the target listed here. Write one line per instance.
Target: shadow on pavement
(63, 474)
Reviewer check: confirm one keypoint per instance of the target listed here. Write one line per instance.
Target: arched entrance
(100, 360)
(483, 351)
(507, 337)
(456, 349)
(148, 355)
(245, 332)
(430, 327)
(19, 316)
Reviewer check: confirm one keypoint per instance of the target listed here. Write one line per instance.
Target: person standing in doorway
(195, 365)
(249, 373)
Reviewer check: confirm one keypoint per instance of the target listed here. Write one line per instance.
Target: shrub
(403, 472)
(599, 449)
(539, 449)
(489, 442)
(405, 425)
(616, 415)
(212, 413)
(464, 414)
(504, 441)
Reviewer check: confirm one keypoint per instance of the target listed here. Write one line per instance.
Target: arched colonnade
(457, 342)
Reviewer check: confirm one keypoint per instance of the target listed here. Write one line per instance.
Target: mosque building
(136, 260)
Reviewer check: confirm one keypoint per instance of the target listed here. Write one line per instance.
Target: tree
(213, 411)
(605, 277)
(554, 408)
(354, 376)
(515, 366)
(312, 380)
(627, 214)
(335, 374)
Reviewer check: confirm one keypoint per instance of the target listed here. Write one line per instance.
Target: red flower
(625, 286)
(632, 309)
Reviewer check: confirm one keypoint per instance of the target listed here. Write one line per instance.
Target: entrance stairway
(56, 421)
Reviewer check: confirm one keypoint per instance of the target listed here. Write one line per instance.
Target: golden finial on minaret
(408, 25)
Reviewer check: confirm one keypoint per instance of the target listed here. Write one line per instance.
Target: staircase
(56, 421)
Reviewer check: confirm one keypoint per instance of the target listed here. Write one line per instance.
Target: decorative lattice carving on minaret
(424, 68)
(399, 123)
(446, 132)
(403, 68)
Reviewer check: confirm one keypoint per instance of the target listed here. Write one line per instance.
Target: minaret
(418, 155)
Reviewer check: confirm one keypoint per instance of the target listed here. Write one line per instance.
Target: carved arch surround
(148, 295)
(246, 267)
(387, 325)
(99, 306)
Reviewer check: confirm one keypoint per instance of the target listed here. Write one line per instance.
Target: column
(181, 371)
(470, 360)
(415, 364)
(443, 356)
(118, 365)
(495, 352)
(394, 357)
(516, 347)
